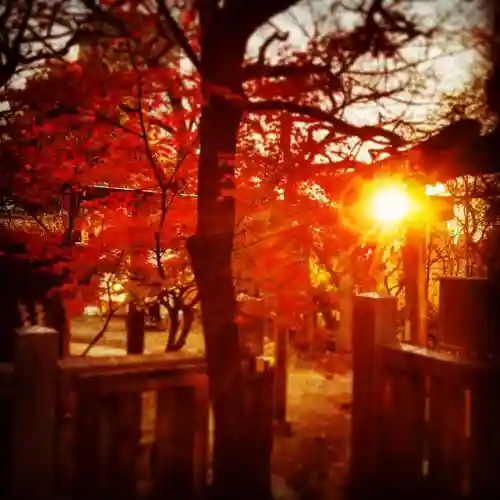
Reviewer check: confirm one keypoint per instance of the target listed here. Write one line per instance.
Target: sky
(452, 60)
(449, 64)
(453, 15)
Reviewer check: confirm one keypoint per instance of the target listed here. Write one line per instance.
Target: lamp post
(397, 204)
(392, 204)
(415, 266)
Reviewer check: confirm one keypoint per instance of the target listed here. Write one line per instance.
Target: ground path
(309, 465)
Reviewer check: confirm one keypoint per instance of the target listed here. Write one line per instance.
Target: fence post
(374, 322)
(281, 424)
(465, 314)
(34, 413)
(259, 403)
(174, 458)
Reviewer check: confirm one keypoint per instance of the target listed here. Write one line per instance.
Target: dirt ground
(314, 460)
(311, 463)
(83, 329)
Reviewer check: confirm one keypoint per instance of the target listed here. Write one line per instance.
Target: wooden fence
(84, 428)
(425, 424)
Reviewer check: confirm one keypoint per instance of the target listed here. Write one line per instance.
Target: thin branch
(39, 222)
(275, 37)
(257, 70)
(341, 127)
(178, 35)
(101, 333)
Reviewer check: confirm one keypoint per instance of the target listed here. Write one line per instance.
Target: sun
(390, 204)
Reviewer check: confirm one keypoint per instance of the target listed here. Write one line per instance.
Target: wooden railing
(439, 423)
(425, 424)
(101, 427)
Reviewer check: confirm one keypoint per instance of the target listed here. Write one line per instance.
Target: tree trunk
(211, 256)
(135, 329)
(173, 314)
(154, 313)
(55, 315)
(187, 323)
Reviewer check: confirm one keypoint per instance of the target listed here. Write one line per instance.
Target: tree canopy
(238, 159)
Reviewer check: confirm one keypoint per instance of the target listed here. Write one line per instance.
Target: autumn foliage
(113, 118)
(80, 124)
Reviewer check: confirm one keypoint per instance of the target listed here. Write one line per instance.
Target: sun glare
(438, 189)
(390, 204)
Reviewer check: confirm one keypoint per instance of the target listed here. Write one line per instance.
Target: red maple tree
(110, 124)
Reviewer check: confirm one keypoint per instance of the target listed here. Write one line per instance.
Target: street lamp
(390, 204)
(396, 207)
(410, 206)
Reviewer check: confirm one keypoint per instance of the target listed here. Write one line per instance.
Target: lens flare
(390, 204)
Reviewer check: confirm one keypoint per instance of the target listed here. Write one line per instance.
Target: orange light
(390, 204)
(437, 189)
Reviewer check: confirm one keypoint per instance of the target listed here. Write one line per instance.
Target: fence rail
(117, 427)
(426, 424)
(127, 427)
(439, 424)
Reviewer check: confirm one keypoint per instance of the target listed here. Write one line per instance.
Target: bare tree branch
(367, 133)
(258, 70)
(109, 316)
(178, 34)
(276, 36)
(34, 30)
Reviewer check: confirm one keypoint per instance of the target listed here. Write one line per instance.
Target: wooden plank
(201, 441)
(6, 378)
(90, 443)
(447, 437)
(65, 440)
(32, 467)
(259, 406)
(173, 464)
(138, 362)
(123, 413)
(466, 444)
(484, 458)
(119, 379)
(143, 382)
(5, 443)
(363, 459)
(373, 323)
(402, 433)
(463, 313)
(440, 364)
